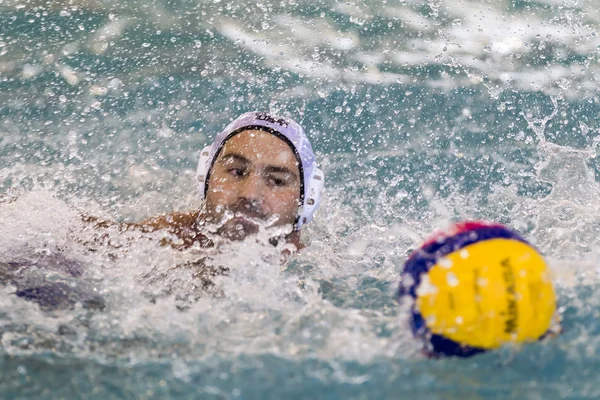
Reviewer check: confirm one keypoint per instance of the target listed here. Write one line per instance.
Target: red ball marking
(457, 228)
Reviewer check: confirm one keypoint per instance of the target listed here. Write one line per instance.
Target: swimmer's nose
(252, 189)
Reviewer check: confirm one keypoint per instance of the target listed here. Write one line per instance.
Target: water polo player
(259, 173)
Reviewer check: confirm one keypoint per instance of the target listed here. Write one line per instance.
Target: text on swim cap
(266, 117)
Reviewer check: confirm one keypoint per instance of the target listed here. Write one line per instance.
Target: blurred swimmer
(260, 174)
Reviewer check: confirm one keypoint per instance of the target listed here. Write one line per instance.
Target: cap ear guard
(312, 198)
(202, 171)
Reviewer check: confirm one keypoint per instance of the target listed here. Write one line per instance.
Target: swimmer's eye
(277, 182)
(236, 171)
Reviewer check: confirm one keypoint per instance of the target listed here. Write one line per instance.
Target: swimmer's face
(254, 180)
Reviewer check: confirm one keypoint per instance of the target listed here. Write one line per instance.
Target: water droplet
(445, 263)
(452, 279)
(426, 288)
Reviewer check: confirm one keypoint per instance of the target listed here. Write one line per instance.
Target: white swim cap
(311, 177)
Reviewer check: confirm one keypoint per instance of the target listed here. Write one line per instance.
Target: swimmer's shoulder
(173, 220)
(183, 225)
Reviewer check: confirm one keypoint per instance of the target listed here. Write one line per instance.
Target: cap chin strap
(312, 197)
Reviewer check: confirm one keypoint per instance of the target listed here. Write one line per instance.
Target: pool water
(421, 114)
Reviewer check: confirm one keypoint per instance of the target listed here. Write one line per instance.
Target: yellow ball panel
(487, 294)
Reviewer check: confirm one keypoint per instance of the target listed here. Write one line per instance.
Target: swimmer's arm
(181, 225)
(171, 221)
(175, 221)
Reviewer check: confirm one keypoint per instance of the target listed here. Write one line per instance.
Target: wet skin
(254, 181)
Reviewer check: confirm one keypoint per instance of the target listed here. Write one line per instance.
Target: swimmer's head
(260, 170)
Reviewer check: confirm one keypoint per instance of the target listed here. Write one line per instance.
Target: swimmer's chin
(240, 228)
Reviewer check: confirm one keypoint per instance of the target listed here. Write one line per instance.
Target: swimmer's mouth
(253, 219)
(266, 221)
(242, 219)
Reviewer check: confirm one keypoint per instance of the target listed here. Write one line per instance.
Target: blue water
(420, 113)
